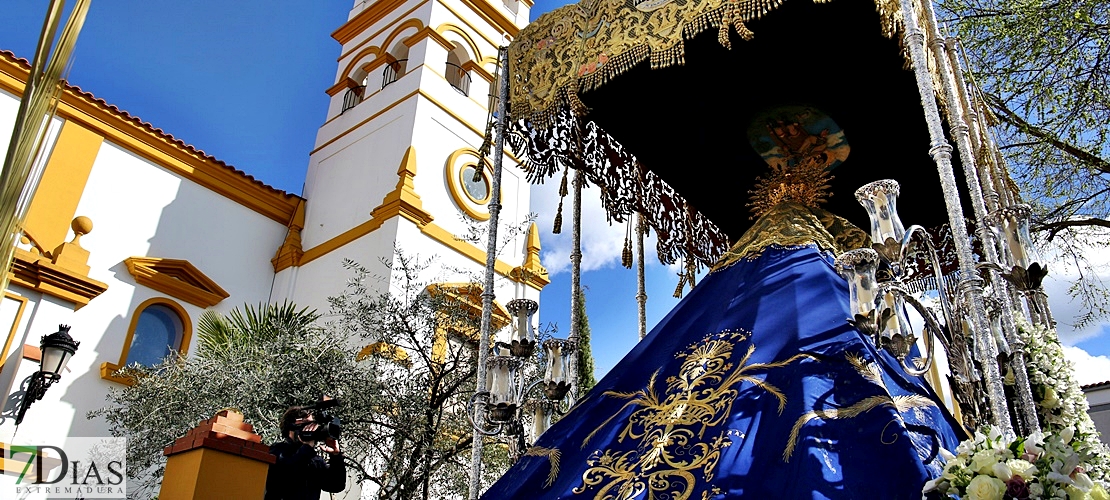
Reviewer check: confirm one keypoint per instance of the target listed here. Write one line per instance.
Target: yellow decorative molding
(15, 324)
(428, 32)
(477, 69)
(495, 43)
(290, 253)
(403, 199)
(148, 142)
(475, 52)
(109, 370)
(348, 72)
(532, 273)
(365, 19)
(386, 350)
(177, 278)
(70, 255)
(346, 83)
(37, 273)
(63, 182)
(389, 25)
(492, 14)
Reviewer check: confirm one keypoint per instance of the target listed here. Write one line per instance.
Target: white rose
(1051, 399)
(985, 488)
(1002, 471)
(1035, 490)
(1022, 468)
(983, 461)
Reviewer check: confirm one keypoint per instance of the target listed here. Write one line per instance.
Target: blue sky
(244, 81)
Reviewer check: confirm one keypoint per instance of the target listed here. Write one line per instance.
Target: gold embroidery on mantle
(790, 225)
(870, 371)
(670, 431)
(553, 455)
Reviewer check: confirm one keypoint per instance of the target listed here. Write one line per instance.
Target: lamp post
(501, 409)
(57, 348)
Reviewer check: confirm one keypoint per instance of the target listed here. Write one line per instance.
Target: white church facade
(133, 233)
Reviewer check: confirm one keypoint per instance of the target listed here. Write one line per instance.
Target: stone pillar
(221, 457)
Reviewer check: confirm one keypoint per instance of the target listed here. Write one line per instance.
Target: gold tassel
(558, 219)
(681, 285)
(626, 255)
(563, 184)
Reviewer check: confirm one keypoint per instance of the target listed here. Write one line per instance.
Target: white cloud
(1065, 310)
(602, 243)
(1088, 369)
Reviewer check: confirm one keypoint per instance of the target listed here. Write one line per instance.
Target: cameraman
(300, 473)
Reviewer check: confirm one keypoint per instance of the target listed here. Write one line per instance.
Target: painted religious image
(798, 137)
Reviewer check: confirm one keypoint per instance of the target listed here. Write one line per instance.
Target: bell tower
(396, 161)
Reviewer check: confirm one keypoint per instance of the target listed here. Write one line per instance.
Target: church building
(133, 233)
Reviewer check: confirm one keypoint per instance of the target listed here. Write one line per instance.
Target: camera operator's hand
(331, 446)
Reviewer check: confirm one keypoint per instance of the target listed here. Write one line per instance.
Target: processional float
(788, 109)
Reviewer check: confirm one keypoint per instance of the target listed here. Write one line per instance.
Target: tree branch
(1055, 227)
(1007, 115)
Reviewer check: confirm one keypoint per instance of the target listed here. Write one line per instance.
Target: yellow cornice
(469, 296)
(385, 350)
(478, 69)
(146, 141)
(39, 274)
(177, 278)
(365, 19)
(495, 43)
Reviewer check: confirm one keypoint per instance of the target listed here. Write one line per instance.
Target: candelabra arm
(479, 398)
(930, 333)
(934, 261)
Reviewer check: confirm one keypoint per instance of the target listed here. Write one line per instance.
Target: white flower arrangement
(1061, 403)
(1065, 459)
(986, 467)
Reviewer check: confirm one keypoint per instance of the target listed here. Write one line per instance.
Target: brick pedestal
(220, 458)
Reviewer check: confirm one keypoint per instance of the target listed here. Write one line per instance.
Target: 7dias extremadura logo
(86, 467)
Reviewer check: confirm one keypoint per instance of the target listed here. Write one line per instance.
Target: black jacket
(301, 474)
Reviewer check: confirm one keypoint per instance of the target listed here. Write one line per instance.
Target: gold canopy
(579, 47)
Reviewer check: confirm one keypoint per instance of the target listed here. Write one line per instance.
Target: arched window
(158, 333)
(456, 75)
(159, 326)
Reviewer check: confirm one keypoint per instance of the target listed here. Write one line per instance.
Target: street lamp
(501, 408)
(57, 348)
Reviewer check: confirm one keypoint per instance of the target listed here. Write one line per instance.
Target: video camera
(329, 426)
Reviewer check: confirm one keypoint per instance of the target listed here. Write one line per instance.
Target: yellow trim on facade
(469, 297)
(492, 14)
(39, 274)
(177, 278)
(495, 43)
(62, 184)
(344, 84)
(532, 271)
(475, 52)
(385, 350)
(15, 324)
(348, 72)
(108, 369)
(145, 141)
(455, 185)
(408, 23)
(382, 30)
(403, 199)
(408, 96)
(365, 19)
(290, 252)
(478, 70)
